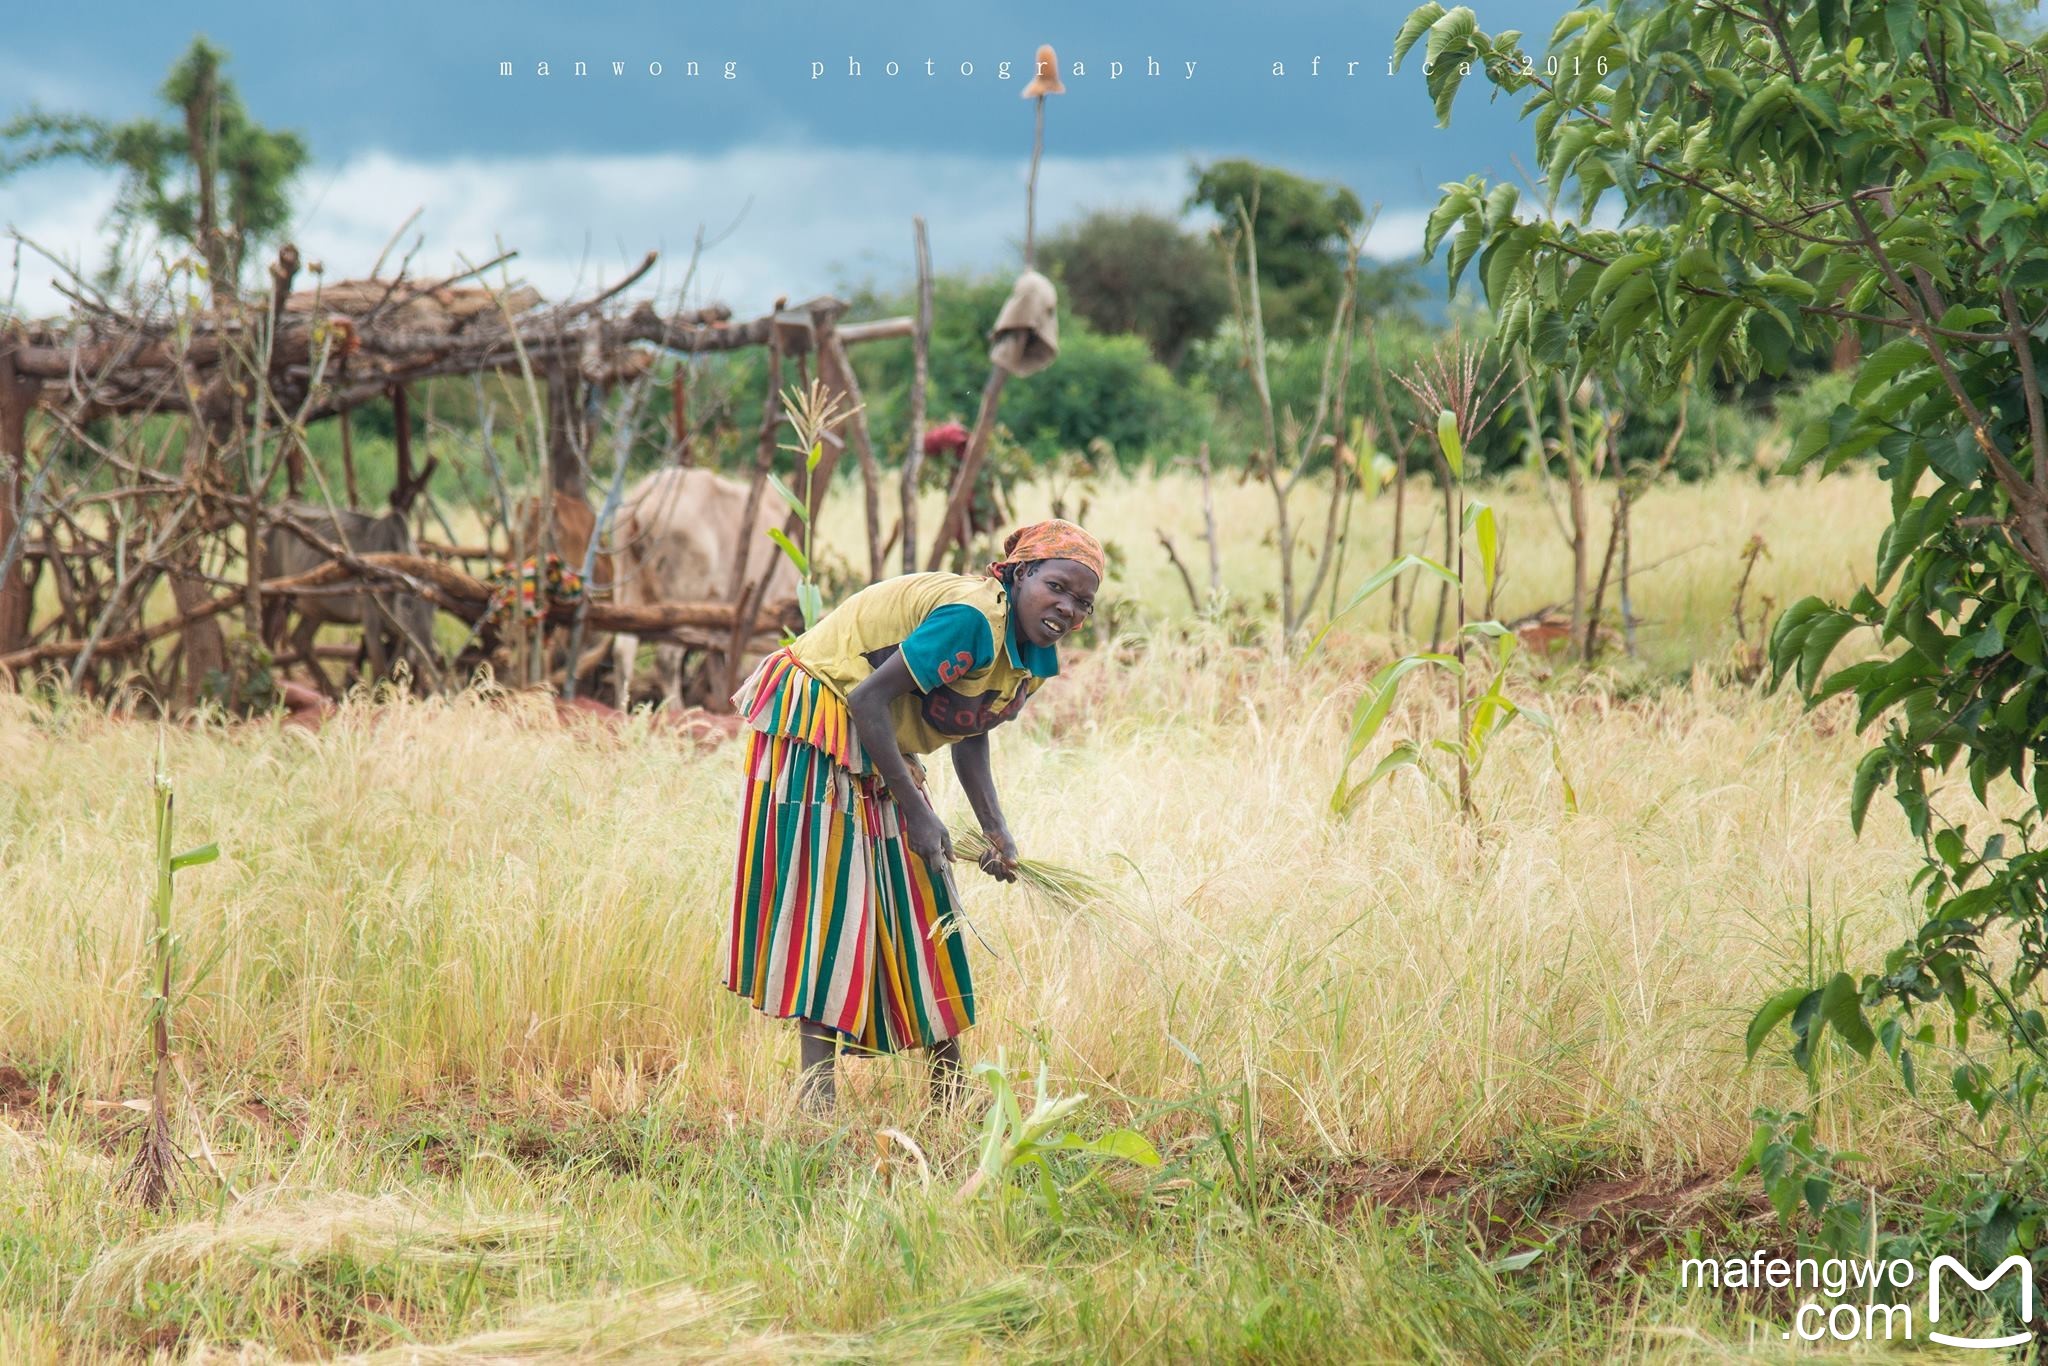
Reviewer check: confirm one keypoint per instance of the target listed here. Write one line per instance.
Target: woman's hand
(999, 860)
(927, 835)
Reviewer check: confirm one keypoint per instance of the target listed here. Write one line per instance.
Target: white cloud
(58, 209)
(812, 218)
(1396, 234)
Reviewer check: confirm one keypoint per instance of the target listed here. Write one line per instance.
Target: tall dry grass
(432, 917)
(460, 890)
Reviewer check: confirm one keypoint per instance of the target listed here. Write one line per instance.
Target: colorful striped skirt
(834, 919)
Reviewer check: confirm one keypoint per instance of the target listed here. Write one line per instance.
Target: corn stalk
(152, 1177)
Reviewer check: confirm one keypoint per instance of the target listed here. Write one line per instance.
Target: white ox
(677, 535)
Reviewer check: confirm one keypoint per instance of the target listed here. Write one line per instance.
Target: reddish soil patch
(17, 1092)
(1614, 1221)
(262, 1114)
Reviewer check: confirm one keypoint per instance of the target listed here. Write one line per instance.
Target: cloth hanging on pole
(1027, 332)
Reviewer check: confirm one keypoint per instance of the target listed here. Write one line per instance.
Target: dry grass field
(463, 1057)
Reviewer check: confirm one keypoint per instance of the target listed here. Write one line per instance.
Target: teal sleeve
(954, 640)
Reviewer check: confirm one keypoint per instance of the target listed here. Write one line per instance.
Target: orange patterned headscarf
(1056, 539)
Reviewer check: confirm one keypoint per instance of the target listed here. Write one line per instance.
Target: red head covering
(1051, 540)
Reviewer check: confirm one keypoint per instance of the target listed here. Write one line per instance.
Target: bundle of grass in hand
(1068, 888)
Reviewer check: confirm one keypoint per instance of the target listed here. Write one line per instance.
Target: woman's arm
(970, 762)
(869, 703)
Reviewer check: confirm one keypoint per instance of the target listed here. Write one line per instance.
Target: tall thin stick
(1209, 523)
(679, 413)
(921, 342)
(835, 366)
(764, 459)
(1031, 190)
(1451, 538)
(957, 520)
(738, 588)
(622, 445)
(348, 461)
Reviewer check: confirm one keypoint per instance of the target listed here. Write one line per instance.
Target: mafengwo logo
(2015, 1263)
(1873, 1301)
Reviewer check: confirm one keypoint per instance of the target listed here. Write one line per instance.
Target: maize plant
(1480, 718)
(1012, 1140)
(152, 1177)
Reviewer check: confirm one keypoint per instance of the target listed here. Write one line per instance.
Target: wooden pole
(348, 462)
(17, 397)
(954, 522)
(401, 429)
(739, 590)
(1031, 190)
(202, 649)
(566, 430)
(764, 460)
(836, 368)
(921, 343)
(1209, 524)
(679, 415)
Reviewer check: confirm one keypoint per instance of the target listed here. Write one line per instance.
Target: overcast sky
(807, 177)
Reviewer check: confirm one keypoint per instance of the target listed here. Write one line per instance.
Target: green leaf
(1886, 363)
(1875, 767)
(817, 453)
(1464, 245)
(1958, 459)
(1417, 24)
(1840, 1007)
(1630, 304)
(1378, 697)
(1577, 287)
(1766, 1019)
(1820, 642)
(1379, 579)
(1448, 438)
(1902, 23)
(1813, 438)
(1619, 271)
(1487, 529)
(1767, 98)
(810, 601)
(1127, 1144)
(791, 549)
(1828, 18)
(1455, 205)
(192, 858)
(788, 495)
(1514, 1261)
(1498, 263)
(1401, 755)
(1453, 29)
(1819, 106)
(1789, 633)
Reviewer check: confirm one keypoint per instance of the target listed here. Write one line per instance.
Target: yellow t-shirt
(955, 633)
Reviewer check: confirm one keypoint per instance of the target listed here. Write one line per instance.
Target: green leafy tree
(213, 179)
(1141, 274)
(1301, 228)
(1827, 164)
